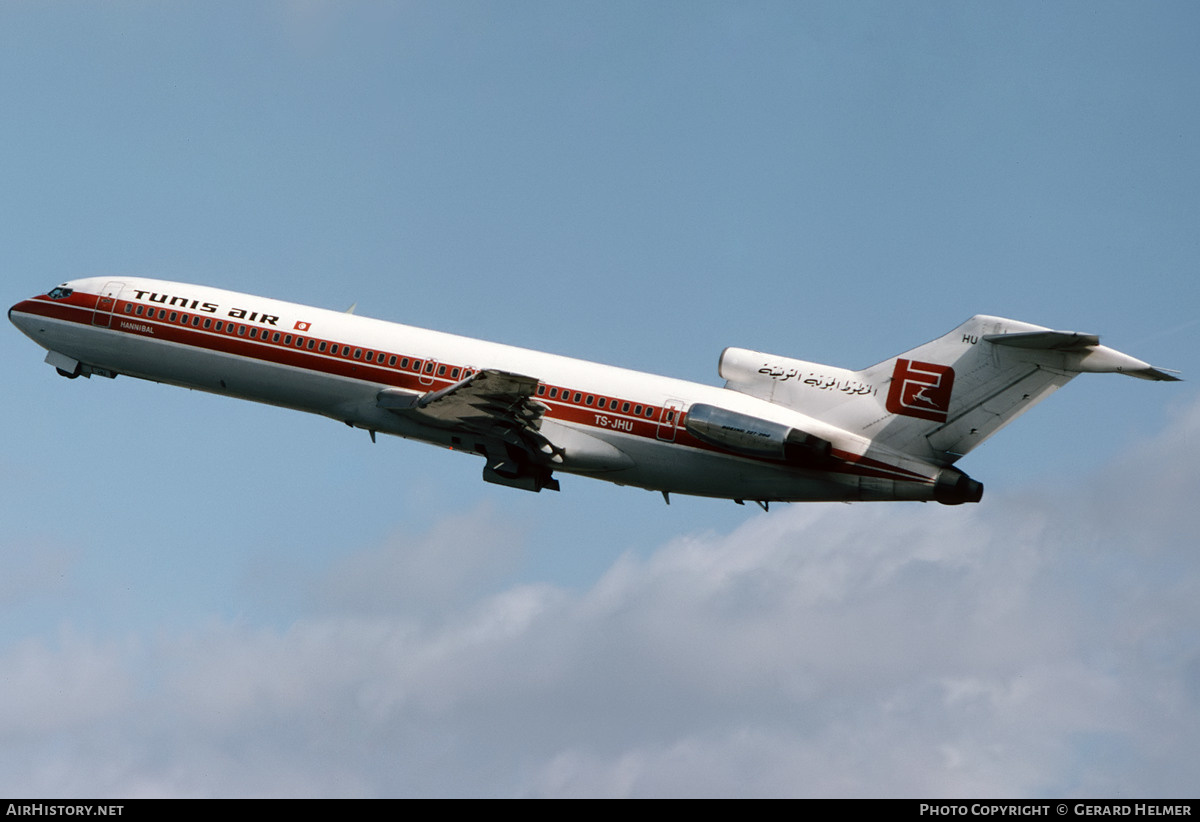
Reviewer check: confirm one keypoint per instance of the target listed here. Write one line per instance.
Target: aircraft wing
(494, 405)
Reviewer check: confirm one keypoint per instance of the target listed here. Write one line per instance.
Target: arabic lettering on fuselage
(817, 380)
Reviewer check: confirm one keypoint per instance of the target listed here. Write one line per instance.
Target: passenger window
(589, 399)
(208, 323)
(441, 370)
(553, 393)
(138, 311)
(128, 308)
(624, 408)
(311, 343)
(321, 347)
(541, 390)
(637, 410)
(576, 397)
(220, 325)
(600, 403)
(392, 361)
(358, 353)
(404, 363)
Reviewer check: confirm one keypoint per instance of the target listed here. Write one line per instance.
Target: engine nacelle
(755, 437)
(953, 487)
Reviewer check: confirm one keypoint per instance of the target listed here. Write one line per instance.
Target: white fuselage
(336, 364)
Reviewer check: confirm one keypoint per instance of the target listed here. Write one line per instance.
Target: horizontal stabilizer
(1085, 354)
(1151, 373)
(1045, 340)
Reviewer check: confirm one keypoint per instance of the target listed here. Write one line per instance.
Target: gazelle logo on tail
(921, 389)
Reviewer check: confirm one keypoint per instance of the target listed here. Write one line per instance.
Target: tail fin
(944, 398)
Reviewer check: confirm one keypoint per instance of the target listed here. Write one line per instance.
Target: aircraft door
(105, 304)
(427, 372)
(670, 420)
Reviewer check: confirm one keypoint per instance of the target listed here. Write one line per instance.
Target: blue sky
(207, 597)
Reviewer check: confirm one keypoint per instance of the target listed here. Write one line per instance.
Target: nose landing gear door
(105, 304)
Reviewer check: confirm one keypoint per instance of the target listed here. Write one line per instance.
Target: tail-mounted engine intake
(755, 437)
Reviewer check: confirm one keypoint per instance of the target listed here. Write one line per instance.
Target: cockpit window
(60, 293)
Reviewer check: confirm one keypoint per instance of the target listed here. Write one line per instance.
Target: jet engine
(755, 437)
(953, 487)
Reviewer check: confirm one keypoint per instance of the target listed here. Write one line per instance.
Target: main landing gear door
(105, 303)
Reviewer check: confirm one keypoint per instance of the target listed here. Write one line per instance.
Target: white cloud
(45, 690)
(1040, 643)
(420, 573)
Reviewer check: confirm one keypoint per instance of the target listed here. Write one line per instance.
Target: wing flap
(497, 406)
(492, 395)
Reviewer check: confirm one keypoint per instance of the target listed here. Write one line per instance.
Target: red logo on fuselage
(921, 389)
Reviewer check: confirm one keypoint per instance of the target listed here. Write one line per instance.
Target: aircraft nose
(20, 315)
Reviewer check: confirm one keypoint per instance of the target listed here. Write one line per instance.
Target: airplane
(780, 429)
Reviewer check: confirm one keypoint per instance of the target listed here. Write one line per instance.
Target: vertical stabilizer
(941, 399)
(946, 397)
